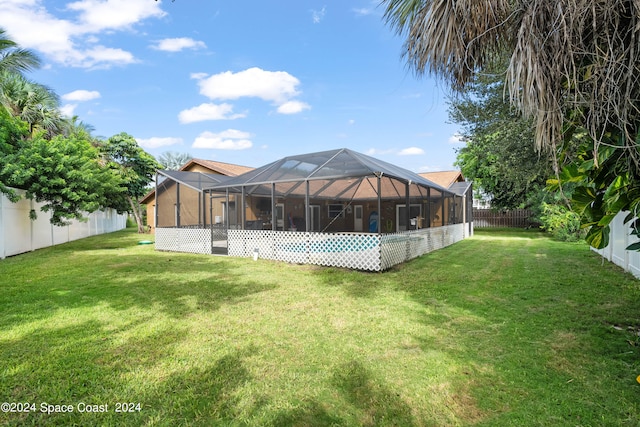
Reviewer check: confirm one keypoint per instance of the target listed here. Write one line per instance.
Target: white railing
(19, 234)
(619, 238)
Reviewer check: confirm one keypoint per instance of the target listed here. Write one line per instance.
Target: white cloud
(234, 134)
(68, 109)
(81, 95)
(230, 139)
(363, 11)
(97, 15)
(178, 44)
(75, 41)
(208, 111)
(411, 151)
(318, 15)
(456, 138)
(293, 107)
(351, 122)
(275, 86)
(156, 142)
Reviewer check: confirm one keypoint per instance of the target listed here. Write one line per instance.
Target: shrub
(562, 223)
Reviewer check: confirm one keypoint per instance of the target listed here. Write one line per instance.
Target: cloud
(68, 110)
(378, 152)
(156, 142)
(293, 107)
(275, 86)
(178, 44)
(318, 15)
(97, 15)
(367, 10)
(411, 151)
(363, 11)
(456, 138)
(351, 122)
(230, 139)
(75, 42)
(278, 87)
(81, 95)
(208, 111)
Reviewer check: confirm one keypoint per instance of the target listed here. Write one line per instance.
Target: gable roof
(221, 168)
(444, 178)
(216, 168)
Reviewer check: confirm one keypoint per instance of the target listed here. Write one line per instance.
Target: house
(336, 207)
(208, 171)
(444, 178)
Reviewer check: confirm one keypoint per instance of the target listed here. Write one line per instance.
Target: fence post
(2, 245)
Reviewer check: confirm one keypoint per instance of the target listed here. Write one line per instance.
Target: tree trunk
(135, 209)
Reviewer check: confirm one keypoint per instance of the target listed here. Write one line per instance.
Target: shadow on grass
(369, 403)
(171, 283)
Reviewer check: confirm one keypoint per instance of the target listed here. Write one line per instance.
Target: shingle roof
(222, 168)
(443, 178)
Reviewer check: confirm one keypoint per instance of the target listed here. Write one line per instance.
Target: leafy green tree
(572, 65)
(12, 132)
(136, 168)
(171, 160)
(499, 156)
(65, 174)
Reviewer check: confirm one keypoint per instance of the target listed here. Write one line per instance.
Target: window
(336, 211)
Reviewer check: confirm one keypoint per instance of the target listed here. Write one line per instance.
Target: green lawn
(505, 328)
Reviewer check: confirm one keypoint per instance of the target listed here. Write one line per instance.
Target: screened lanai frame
(337, 208)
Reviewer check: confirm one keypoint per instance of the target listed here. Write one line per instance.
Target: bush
(562, 223)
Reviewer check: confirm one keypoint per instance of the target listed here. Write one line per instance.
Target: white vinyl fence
(619, 238)
(19, 234)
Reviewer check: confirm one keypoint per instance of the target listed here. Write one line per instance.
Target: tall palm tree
(75, 127)
(577, 57)
(15, 59)
(172, 160)
(32, 102)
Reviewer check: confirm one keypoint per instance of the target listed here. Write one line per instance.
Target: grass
(507, 328)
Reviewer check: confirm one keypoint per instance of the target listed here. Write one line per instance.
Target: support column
(307, 208)
(177, 205)
(274, 217)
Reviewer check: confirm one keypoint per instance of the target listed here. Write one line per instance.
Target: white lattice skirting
(192, 240)
(360, 251)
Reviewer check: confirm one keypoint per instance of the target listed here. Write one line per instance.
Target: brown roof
(222, 168)
(443, 178)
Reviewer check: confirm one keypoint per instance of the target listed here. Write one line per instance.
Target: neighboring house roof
(221, 168)
(444, 178)
(217, 168)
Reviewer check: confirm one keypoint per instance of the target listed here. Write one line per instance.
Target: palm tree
(171, 160)
(567, 58)
(15, 59)
(32, 102)
(74, 127)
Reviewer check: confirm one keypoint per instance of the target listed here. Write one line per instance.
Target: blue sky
(244, 82)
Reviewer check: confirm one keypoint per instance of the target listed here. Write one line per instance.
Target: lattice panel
(359, 251)
(400, 247)
(242, 243)
(192, 240)
(351, 250)
(166, 239)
